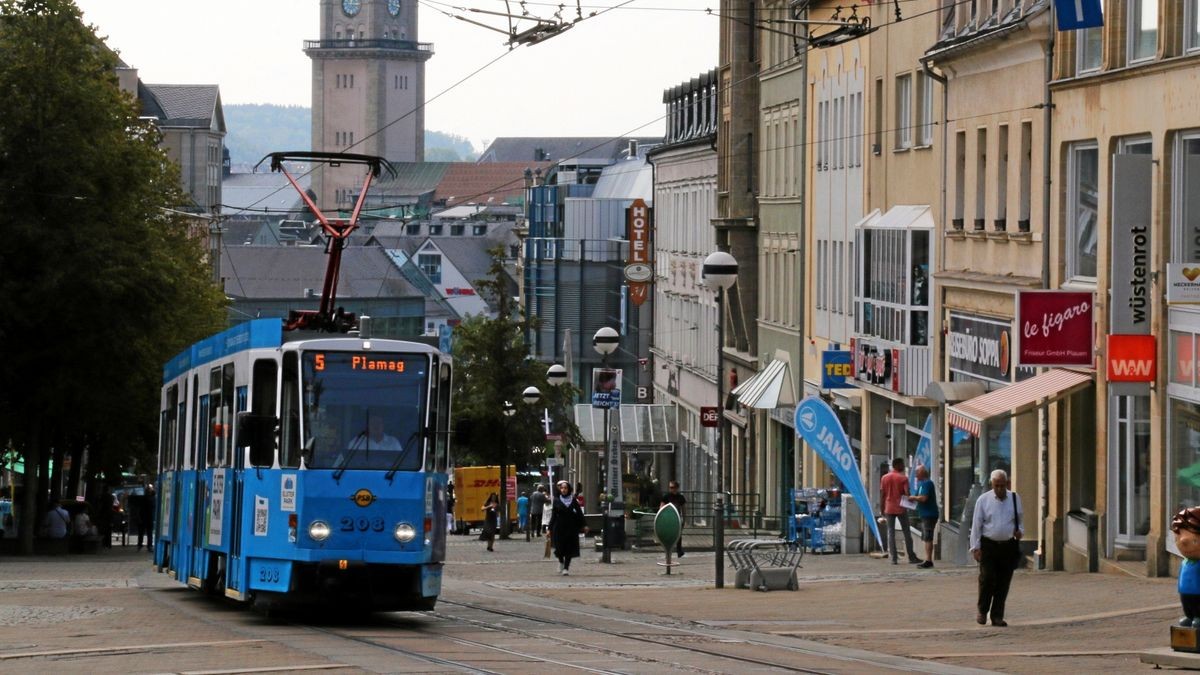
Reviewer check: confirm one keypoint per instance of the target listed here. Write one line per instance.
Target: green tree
(493, 366)
(99, 282)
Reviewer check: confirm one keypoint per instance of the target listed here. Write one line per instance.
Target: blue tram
(305, 468)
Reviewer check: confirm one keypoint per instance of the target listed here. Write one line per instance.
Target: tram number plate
(362, 524)
(270, 575)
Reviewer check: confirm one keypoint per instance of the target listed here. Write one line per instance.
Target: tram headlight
(404, 533)
(318, 530)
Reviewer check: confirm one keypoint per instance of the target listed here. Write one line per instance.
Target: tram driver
(375, 438)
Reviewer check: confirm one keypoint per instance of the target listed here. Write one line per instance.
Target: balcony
(391, 45)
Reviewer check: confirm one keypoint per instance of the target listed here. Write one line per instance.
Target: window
(435, 230)
(457, 230)
(1026, 159)
(904, 120)
(1001, 223)
(925, 110)
(1191, 21)
(1185, 186)
(980, 178)
(479, 230)
(412, 230)
(1090, 43)
(960, 178)
(1143, 29)
(431, 266)
(1130, 468)
(1082, 201)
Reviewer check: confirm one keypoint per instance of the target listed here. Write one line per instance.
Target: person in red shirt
(892, 487)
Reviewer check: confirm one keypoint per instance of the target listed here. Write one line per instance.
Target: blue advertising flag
(1078, 14)
(923, 455)
(817, 424)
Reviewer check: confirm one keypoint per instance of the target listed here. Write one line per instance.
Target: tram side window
(228, 402)
(166, 442)
(262, 402)
(198, 436)
(442, 423)
(214, 415)
(289, 412)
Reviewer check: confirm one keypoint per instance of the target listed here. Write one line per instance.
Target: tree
(99, 283)
(493, 366)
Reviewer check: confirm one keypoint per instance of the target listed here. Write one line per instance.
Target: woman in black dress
(491, 514)
(566, 522)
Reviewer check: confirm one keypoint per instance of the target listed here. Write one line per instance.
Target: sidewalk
(1058, 622)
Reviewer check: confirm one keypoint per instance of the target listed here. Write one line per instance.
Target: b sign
(1078, 14)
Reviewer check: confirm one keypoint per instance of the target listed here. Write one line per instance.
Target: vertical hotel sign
(638, 270)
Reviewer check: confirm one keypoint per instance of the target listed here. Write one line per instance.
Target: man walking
(673, 497)
(891, 488)
(537, 506)
(995, 545)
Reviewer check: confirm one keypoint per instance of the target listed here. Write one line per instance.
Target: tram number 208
(362, 524)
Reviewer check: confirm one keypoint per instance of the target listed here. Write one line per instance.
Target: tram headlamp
(404, 533)
(318, 530)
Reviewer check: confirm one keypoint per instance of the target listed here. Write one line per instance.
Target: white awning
(1016, 398)
(766, 389)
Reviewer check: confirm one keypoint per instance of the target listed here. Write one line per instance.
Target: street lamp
(718, 274)
(605, 342)
(530, 396)
(556, 375)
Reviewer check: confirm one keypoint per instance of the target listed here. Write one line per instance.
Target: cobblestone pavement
(1066, 623)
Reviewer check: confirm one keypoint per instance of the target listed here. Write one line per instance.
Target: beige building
(368, 88)
(1126, 206)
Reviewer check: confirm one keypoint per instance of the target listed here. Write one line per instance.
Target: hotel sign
(638, 270)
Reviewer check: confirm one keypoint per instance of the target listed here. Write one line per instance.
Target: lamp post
(719, 273)
(556, 376)
(605, 342)
(530, 396)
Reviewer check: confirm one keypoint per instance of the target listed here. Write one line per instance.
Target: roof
(183, 105)
(411, 179)
(281, 272)
(627, 179)
(249, 193)
(496, 182)
(555, 149)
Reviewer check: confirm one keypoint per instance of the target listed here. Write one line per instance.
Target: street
(509, 612)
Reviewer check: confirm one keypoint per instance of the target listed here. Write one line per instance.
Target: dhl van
(472, 485)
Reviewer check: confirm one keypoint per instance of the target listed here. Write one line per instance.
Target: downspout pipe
(1047, 109)
(926, 66)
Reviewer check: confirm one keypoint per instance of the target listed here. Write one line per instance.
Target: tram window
(289, 412)
(263, 404)
(442, 428)
(228, 409)
(167, 449)
(197, 430)
(214, 415)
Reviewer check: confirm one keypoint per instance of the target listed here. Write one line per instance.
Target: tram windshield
(364, 411)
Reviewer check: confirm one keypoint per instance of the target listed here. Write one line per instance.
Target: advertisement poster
(606, 388)
(1055, 328)
(818, 425)
(216, 512)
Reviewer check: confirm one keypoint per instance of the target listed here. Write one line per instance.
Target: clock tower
(368, 83)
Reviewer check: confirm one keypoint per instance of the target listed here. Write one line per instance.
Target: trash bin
(615, 537)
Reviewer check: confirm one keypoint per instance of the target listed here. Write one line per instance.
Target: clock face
(394, 7)
(351, 7)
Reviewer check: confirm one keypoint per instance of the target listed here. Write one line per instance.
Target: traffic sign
(710, 416)
(1078, 14)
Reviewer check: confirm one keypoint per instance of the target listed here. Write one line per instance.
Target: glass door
(1129, 473)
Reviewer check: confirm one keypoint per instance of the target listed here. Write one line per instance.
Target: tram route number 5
(1078, 14)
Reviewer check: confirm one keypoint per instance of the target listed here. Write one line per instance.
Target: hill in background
(256, 129)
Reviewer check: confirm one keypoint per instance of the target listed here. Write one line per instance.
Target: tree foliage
(493, 366)
(99, 283)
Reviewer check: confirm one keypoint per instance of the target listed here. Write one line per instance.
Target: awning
(765, 389)
(642, 427)
(1016, 398)
(953, 392)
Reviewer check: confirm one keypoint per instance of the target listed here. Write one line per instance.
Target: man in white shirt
(375, 437)
(995, 545)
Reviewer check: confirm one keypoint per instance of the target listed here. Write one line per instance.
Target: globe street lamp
(718, 274)
(556, 375)
(530, 396)
(605, 341)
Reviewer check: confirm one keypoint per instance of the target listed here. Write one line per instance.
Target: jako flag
(817, 424)
(923, 455)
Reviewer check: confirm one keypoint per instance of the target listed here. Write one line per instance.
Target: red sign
(710, 416)
(638, 271)
(1055, 328)
(1132, 358)
(1183, 368)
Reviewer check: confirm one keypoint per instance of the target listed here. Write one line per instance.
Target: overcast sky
(604, 77)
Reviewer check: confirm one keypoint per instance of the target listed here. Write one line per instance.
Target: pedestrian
(673, 497)
(927, 511)
(81, 525)
(522, 512)
(149, 506)
(892, 487)
(450, 506)
(491, 514)
(537, 505)
(566, 524)
(103, 510)
(56, 522)
(996, 546)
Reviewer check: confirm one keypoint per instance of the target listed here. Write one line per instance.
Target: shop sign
(980, 347)
(1055, 328)
(877, 365)
(819, 426)
(1129, 313)
(1183, 283)
(1183, 358)
(710, 416)
(1132, 358)
(836, 367)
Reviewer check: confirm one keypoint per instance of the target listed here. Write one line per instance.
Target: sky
(604, 77)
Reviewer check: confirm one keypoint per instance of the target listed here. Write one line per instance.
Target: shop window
(1082, 201)
(1184, 472)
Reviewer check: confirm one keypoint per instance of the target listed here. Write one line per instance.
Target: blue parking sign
(1078, 14)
